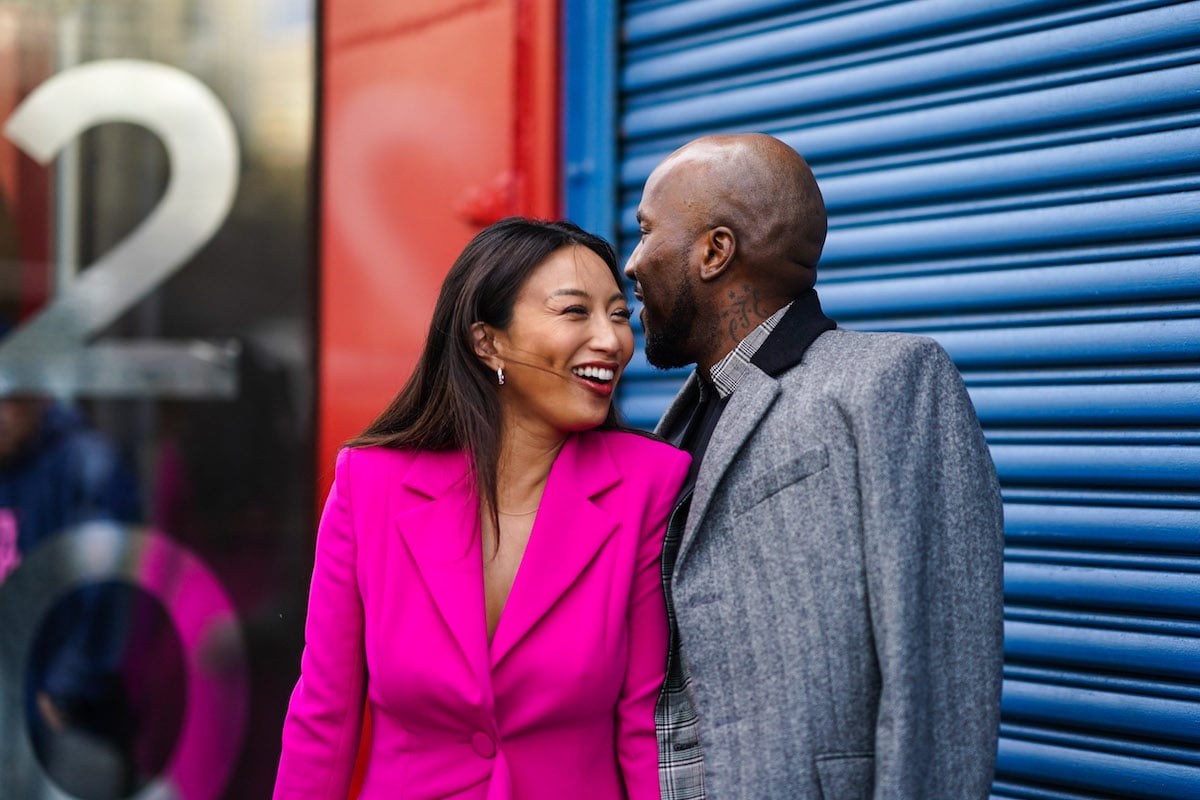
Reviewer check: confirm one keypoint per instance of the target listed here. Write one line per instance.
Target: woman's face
(567, 345)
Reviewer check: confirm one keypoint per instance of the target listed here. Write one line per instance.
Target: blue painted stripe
(1025, 171)
(1087, 680)
(1148, 529)
(1006, 790)
(1134, 591)
(1108, 650)
(1099, 465)
(1118, 498)
(1149, 217)
(1056, 107)
(1149, 749)
(1092, 771)
(1102, 404)
(1148, 341)
(799, 37)
(1148, 32)
(1126, 281)
(1112, 620)
(1110, 712)
(673, 19)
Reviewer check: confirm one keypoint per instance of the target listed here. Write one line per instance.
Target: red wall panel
(438, 118)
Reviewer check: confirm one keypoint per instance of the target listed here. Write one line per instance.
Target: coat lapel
(568, 532)
(754, 397)
(674, 420)
(441, 533)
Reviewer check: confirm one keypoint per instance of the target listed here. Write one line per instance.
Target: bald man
(833, 567)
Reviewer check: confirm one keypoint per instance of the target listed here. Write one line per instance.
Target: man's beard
(667, 339)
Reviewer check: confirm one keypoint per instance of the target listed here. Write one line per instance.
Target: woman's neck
(524, 466)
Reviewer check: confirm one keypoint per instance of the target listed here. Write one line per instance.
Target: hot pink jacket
(561, 705)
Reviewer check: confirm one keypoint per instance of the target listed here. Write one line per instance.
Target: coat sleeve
(637, 745)
(324, 717)
(933, 542)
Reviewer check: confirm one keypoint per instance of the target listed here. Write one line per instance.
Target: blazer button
(483, 744)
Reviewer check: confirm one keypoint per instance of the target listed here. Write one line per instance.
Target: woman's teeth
(595, 373)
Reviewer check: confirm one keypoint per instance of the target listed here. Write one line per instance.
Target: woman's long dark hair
(451, 401)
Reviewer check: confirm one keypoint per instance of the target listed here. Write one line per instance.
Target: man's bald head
(765, 193)
(731, 231)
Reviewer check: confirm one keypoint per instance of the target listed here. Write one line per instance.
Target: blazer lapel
(742, 414)
(675, 419)
(441, 533)
(568, 532)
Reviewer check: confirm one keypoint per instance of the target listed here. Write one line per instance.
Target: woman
(487, 570)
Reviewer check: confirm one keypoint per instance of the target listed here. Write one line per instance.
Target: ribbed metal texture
(1019, 179)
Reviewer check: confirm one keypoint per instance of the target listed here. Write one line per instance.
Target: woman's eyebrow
(571, 292)
(618, 295)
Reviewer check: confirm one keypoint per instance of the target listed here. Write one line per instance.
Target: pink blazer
(561, 704)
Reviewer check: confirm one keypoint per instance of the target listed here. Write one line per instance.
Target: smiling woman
(565, 348)
(501, 452)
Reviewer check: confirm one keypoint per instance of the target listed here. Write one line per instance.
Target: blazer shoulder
(644, 455)
(358, 464)
(628, 444)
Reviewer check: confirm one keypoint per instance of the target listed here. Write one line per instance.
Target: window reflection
(183, 427)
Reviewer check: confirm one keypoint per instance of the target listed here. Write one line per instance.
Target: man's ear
(483, 340)
(718, 248)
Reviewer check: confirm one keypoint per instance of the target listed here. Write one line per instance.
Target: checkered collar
(727, 374)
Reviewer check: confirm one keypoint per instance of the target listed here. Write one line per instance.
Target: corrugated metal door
(1019, 179)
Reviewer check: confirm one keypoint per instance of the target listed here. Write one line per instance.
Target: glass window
(157, 281)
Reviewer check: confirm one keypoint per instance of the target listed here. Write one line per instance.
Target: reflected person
(56, 473)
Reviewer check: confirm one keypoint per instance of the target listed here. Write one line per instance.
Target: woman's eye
(575, 310)
(623, 313)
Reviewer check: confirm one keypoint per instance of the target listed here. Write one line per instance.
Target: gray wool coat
(838, 588)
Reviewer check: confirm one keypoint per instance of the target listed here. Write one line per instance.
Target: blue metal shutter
(1019, 179)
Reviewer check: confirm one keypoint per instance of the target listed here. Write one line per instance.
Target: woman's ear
(483, 340)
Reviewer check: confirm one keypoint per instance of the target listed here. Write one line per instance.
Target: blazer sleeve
(637, 745)
(324, 718)
(933, 540)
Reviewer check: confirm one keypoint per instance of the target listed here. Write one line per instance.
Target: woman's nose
(604, 336)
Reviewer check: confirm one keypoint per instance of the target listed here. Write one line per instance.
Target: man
(833, 569)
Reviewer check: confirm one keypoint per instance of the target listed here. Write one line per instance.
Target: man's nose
(631, 266)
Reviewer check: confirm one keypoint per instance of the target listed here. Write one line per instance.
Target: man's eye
(574, 310)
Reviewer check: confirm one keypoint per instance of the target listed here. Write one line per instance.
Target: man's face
(19, 420)
(661, 268)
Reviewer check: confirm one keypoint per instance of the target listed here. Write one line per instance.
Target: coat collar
(440, 526)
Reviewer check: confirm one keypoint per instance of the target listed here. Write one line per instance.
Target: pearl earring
(500, 376)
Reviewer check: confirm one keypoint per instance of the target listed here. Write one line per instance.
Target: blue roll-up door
(1021, 181)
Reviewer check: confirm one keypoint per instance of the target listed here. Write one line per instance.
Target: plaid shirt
(680, 759)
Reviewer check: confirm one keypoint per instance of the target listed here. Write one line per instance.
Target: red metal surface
(24, 184)
(438, 118)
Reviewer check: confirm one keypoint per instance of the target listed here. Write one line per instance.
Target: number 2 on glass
(202, 150)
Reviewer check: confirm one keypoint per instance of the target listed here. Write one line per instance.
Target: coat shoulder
(852, 362)
(857, 350)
